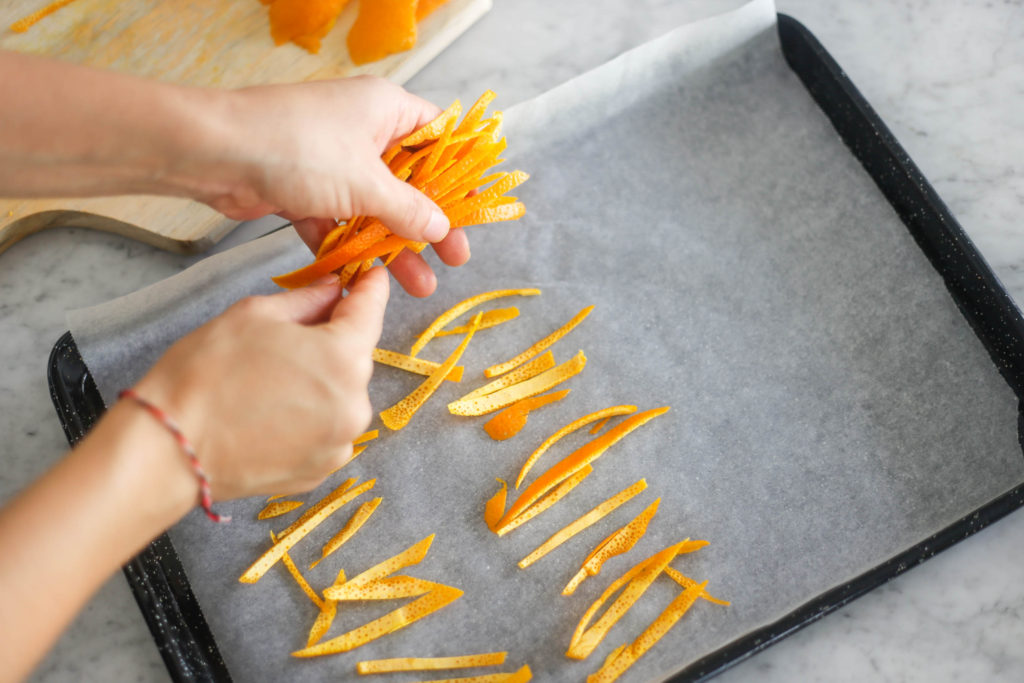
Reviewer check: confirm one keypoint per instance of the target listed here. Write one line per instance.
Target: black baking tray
(176, 620)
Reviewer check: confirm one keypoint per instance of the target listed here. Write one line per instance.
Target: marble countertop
(947, 79)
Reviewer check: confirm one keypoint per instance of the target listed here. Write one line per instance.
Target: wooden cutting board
(222, 43)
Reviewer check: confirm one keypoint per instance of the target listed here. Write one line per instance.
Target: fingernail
(331, 279)
(437, 227)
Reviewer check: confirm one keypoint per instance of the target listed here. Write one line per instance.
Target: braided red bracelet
(205, 498)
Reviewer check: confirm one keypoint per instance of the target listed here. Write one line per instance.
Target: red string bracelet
(205, 498)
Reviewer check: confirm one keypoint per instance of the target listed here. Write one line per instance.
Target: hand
(273, 392)
(312, 152)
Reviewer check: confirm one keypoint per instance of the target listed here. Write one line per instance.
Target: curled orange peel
(624, 657)
(552, 497)
(539, 347)
(583, 522)
(619, 541)
(495, 506)
(458, 309)
(302, 526)
(536, 366)
(398, 415)
(490, 318)
(354, 523)
(384, 666)
(578, 459)
(278, 508)
(605, 414)
(418, 366)
(511, 420)
(481, 405)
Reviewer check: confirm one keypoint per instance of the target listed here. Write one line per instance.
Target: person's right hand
(273, 391)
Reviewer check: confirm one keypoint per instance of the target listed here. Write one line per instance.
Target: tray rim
(176, 621)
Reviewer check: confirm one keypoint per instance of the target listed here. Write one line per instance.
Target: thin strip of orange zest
(433, 130)
(354, 523)
(323, 622)
(275, 497)
(489, 197)
(575, 527)
(481, 405)
(408, 557)
(334, 237)
(559, 492)
(539, 347)
(318, 506)
(687, 582)
(25, 23)
(509, 421)
(626, 657)
(520, 374)
(384, 666)
(492, 214)
(495, 506)
(636, 581)
(388, 588)
(600, 425)
(366, 436)
(411, 364)
(521, 676)
(490, 318)
(374, 232)
(291, 536)
(398, 415)
(439, 596)
(458, 309)
(278, 508)
(584, 455)
(289, 564)
(619, 541)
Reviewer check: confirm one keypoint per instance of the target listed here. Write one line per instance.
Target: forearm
(68, 532)
(67, 130)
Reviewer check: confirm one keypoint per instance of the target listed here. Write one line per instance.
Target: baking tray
(173, 614)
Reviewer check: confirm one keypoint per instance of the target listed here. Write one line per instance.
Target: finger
(306, 305)
(362, 310)
(453, 250)
(312, 230)
(402, 208)
(414, 274)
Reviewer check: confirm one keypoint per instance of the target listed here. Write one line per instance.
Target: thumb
(406, 211)
(306, 305)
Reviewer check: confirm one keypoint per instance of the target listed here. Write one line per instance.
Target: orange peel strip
(354, 523)
(275, 497)
(579, 458)
(486, 198)
(398, 415)
(278, 508)
(25, 23)
(458, 309)
(290, 537)
(626, 657)
(435, 128)
(412, 364)
(323, 622)
(495, 506)
(366, 436)
(289, 564)
(484, 154)
(560, 492)
(536, 366)
(509, 421)
(414, 554)
(374, 232)
(492, 214)
(481, 405)
(618, 542)
(521, 676)
(439, 596)
(385, 666)
(687, 582)
(388, 588)
(318, 506)
(575, 527)
(490, 318)
(426, 170)
(600, 425)
(636, 581)
(333, 238)
(539, 347)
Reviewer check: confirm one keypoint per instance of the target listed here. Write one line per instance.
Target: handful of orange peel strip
(449, 162)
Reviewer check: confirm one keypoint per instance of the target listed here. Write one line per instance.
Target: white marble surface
(948, 78)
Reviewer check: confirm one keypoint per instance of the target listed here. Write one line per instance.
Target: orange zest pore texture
(445, 160)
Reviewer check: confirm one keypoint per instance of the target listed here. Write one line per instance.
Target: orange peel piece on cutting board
(605, 414)
(441, 321)
(583, 522)
(511, 420)
(386, 666)
(619, 541)
(418, 366)
(481, 405)
(303, 22)
(577, 460)
(382, 28)
(398, 415)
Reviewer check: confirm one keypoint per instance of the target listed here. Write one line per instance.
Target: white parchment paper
(830, 406)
